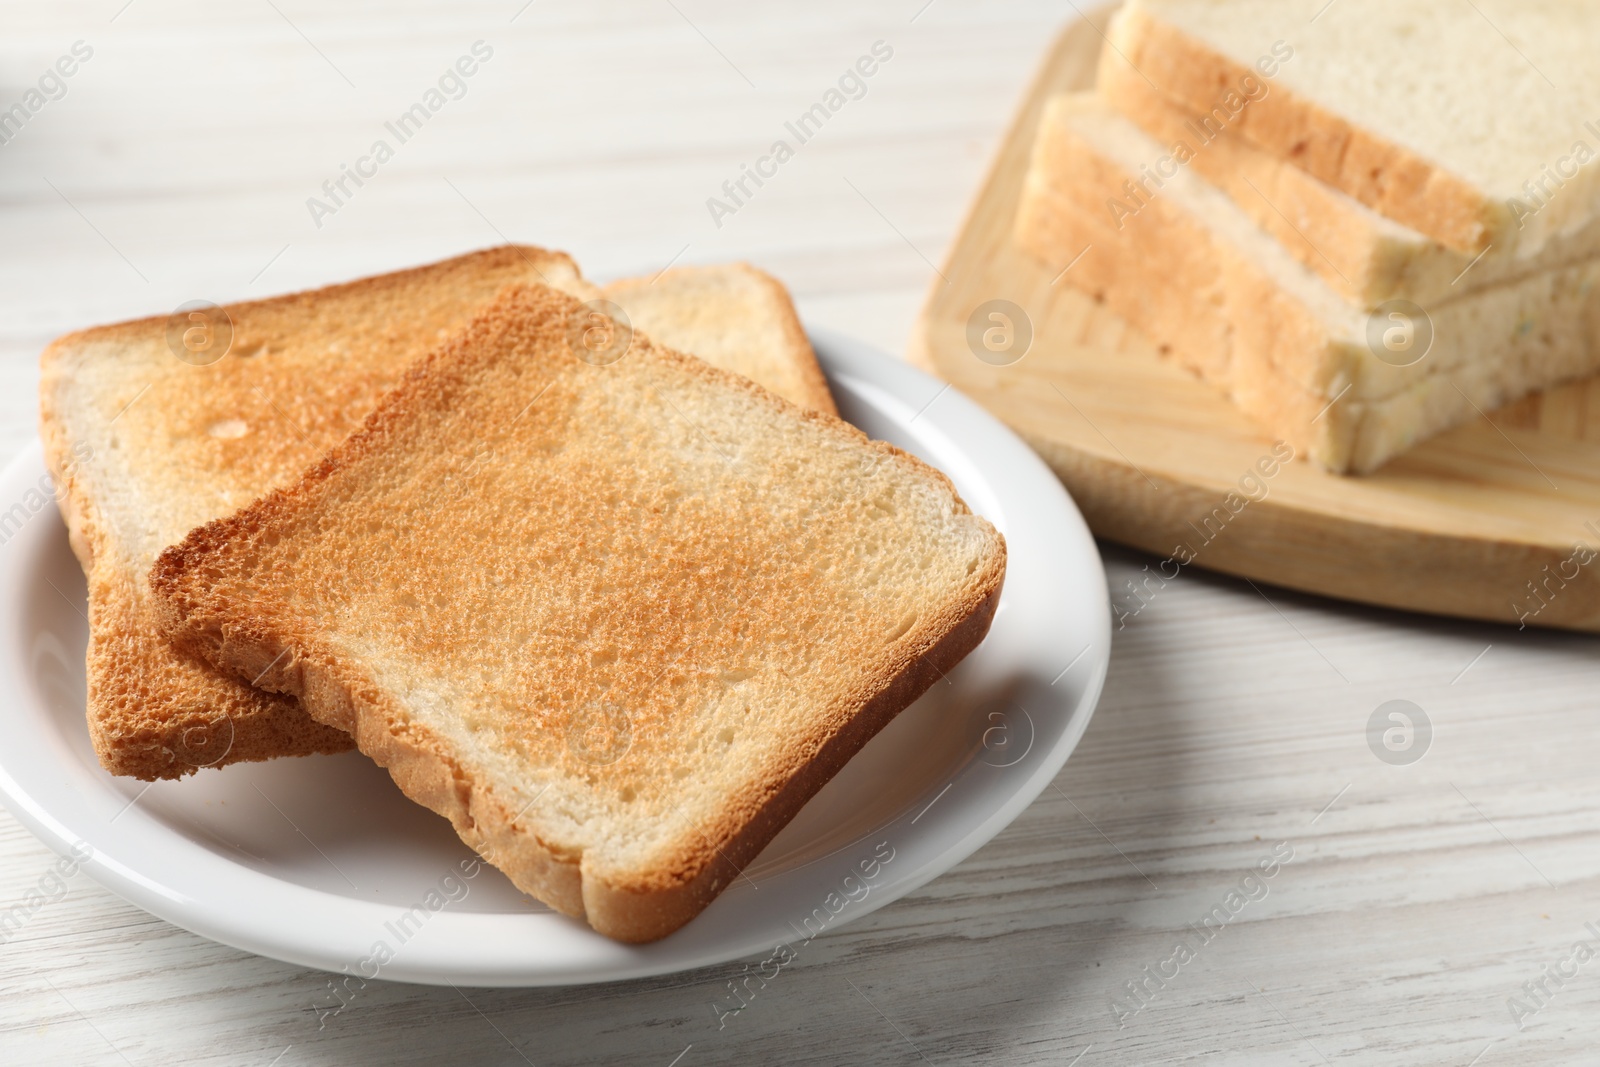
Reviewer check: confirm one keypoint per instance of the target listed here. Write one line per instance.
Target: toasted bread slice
(734, 317)
(616, 618)
(154, 713)
(144, 446)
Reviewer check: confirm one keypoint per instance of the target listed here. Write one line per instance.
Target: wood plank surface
(1420, 898)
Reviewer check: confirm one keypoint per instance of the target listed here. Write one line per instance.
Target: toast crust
(1387, 177)
(255, 639)
(1365, 261)
(1364, 256)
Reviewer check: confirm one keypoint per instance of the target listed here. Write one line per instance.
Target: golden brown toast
(202, 441)
(617, 619)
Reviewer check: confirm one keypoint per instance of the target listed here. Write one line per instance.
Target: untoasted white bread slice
(1475, 127)
(217, 436)
(734, 317)
(616, 618)
(145, 446)
(1195, 273)
(1365, 257)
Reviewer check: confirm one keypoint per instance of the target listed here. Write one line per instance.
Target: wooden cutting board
(1496, 520)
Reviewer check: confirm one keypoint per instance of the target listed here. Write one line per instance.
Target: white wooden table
(1420, 896)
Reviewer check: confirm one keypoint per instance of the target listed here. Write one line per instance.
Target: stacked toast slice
(147, 441)
(613, 610)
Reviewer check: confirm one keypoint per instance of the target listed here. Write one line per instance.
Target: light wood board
(1417, 903)
(1488, 521)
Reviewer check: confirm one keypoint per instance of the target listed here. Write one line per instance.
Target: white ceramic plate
(317, 861)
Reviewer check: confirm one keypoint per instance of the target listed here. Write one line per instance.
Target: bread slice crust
(1390, 178)
(1367, 258)
(201, 585)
